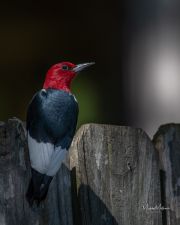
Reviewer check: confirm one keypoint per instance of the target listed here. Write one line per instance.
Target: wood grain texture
(14, 178)
(167, 143)
(117, 173)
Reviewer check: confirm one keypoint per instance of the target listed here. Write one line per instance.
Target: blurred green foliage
(86, 93)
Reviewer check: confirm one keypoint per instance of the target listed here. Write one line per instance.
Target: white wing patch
(40, 154)
(57, 158)
(44, 157)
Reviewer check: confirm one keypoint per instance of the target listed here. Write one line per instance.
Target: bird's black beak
(82, 66)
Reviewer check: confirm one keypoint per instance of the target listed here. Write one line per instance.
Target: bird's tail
(38, 188)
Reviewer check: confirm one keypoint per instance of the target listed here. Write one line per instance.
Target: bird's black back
(52, 117)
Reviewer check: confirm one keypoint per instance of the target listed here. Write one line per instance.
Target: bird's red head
(60, 75)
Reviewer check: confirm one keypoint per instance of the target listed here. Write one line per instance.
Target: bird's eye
(65, 67)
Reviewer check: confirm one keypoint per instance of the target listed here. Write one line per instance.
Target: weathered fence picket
(167, 142)
(117, 176)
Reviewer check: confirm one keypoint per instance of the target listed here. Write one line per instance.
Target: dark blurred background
(115, 34)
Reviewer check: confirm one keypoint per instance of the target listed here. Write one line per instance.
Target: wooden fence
(114, 175)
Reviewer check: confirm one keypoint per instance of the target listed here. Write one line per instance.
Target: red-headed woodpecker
(51, 123)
